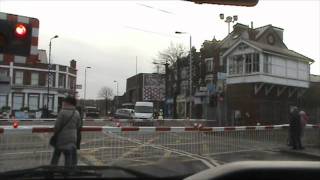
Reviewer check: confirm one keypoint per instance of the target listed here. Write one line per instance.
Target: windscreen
(143, 109)
(213, 84)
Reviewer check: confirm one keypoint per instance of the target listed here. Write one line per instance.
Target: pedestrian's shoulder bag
(79, 134)
(53, 139)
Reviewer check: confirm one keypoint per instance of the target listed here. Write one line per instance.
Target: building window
(252, 63)
(267, 64)
(62, 81)
(4, 72)
(209, 65)
(33, 102)
(19, 77)
(51, 99)
(231, 66)
(17, 101)
(3, 101)
(35, 79)
(236, 65)
(248, 63)
(239, 64)
(256, 64)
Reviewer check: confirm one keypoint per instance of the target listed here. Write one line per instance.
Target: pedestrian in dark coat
(295, 129)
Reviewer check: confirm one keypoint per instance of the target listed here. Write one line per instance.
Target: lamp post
(49, 68)
(228, 20)
(190, 73)
(85, 85)
(117, 86)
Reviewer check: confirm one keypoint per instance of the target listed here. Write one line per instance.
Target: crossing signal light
(21, 30)
(15, 38)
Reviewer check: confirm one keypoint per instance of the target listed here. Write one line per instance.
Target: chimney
(252, 33)
(73, 64)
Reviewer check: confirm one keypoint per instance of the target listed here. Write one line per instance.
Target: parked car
(124, 113)
(92, 111)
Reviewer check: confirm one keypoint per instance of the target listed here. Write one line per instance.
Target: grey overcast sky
(108, 35)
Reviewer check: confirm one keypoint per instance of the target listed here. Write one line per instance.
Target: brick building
(146, 87)
(264, 77)
(28, 85)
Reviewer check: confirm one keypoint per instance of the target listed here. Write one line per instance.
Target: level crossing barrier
(118, 122)
(27, 146)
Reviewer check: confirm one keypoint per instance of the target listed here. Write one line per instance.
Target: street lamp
(85, 85)
(190, 73)
(228, 20)
(49, 67)
(117, 85)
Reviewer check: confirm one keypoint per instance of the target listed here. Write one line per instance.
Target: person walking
(295, 129)
(64, 139)
(303, 120)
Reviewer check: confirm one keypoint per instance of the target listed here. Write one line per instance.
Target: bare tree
(170, 55)
(105, 93)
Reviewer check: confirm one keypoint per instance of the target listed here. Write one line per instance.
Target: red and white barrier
(28, 146)
(41, 128)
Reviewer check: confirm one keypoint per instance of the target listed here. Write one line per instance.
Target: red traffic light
(20, 30)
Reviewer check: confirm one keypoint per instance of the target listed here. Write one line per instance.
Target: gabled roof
(270, 49)
(233, 37)
(263, 29)
(281, 51)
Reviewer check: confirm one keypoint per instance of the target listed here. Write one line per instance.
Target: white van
(143, 110)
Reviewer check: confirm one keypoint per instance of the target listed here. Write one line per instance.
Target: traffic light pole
(166, 87)
(190, 74)
(49, 66)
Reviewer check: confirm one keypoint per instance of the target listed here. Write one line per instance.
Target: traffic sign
(79, 86)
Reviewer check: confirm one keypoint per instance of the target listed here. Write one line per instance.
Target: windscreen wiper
(48, 172)
(57, 172)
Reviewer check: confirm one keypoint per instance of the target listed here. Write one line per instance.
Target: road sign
(203, 88)
(79, 86)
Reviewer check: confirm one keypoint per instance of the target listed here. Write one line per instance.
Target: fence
(27, 146)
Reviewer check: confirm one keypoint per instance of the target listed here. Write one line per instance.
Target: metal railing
(27, 146)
